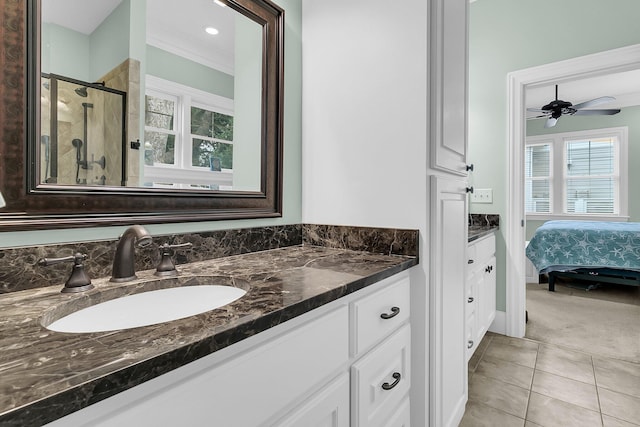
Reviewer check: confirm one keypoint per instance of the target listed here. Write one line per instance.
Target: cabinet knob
(470, 300)
(469, 190)
(469, 343)
(394, 313)
(396, 376)
(470, 167)
(470, 261)
(489, 269)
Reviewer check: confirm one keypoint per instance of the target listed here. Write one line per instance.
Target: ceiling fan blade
(536, 110)
(551, 122)
(537, 117)
(609, 112)
(594, 102)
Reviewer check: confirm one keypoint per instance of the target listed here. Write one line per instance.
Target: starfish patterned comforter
(568, 245)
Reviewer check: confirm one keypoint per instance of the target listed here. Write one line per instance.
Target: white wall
(364, 113)
(364, 121)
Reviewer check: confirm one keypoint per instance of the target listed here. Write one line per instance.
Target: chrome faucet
(124, 261)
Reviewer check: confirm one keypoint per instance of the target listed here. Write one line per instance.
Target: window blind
(590, 181)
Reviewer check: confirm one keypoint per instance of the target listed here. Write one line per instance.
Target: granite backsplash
(484, 220)
(19, 269)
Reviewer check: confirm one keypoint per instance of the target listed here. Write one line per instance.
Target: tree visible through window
(211, 136)
(160, 132)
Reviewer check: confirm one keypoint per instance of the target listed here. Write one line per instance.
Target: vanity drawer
(381, 380)
(376, 316)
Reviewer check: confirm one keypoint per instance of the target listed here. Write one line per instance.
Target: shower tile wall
(124, 77)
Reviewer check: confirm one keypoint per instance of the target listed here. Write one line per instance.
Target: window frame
(558, 179)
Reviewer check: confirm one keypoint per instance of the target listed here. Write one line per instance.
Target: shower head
(76, 142)
(82, 91)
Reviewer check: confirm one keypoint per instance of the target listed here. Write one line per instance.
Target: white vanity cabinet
(480, 290)
(334, 366)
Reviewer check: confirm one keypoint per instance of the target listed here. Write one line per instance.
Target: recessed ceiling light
(211, 30)
(219, 3)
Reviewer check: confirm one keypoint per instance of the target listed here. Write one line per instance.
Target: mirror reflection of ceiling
(624, 86)
(186, 20)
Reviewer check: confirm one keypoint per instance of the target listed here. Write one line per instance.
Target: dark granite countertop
(478, 231)
(46, 375)
(481, 225)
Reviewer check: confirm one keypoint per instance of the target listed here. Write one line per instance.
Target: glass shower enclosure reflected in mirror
(82, 132)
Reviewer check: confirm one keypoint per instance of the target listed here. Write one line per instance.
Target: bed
(605, 252)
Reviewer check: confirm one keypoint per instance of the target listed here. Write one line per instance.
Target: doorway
(612, 61)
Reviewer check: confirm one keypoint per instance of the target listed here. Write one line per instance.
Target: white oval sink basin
(147, 308)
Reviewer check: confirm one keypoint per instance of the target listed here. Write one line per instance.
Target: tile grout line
(499, 380)
(526, 413)
(595, 382)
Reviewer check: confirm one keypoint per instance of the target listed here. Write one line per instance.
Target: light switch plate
(482, 195)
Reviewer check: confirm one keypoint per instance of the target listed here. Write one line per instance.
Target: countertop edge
(482, 233)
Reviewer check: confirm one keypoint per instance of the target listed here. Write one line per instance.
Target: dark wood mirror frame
(32, 206)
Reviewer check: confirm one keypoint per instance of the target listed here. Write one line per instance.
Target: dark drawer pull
(394, 313)
(387, 386)
(470, 261)
(469, 344)
(470, 300)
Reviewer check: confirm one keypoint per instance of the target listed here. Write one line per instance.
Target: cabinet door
(449, 147)
(489, 293)
(328, 408)
(401, 417)
(448, 269)
(245, 391)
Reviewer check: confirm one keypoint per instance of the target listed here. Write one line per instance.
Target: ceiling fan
(554, 109)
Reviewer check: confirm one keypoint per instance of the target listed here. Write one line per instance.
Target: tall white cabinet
(449, 211)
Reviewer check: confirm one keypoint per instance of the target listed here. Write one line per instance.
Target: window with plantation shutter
(537, 169)
(577, 174)
(591, 180)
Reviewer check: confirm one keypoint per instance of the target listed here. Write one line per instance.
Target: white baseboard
(499, 324)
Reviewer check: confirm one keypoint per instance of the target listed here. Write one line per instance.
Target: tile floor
(525, 383)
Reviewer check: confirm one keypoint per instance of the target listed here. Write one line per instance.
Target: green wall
(65, 52)
(110, 41)
(168, 66)
(87, 57)
(292, 191)
(506, 36)
(630, 117)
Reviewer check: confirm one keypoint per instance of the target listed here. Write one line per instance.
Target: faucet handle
(166, 266)
(79, 280)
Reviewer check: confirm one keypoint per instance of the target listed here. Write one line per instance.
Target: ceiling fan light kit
(557, 108)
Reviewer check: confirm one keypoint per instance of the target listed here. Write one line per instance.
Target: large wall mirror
(141, 111)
